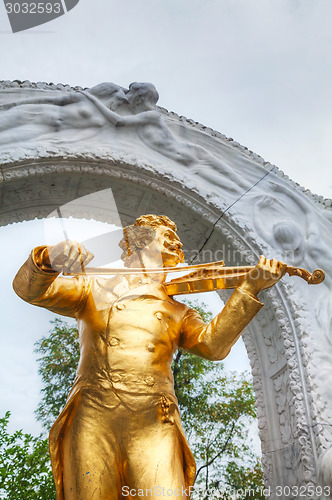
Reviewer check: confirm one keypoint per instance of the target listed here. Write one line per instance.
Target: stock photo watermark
(24, 14)
(197, 493)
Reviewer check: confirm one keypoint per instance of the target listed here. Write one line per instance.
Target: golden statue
(120, 429)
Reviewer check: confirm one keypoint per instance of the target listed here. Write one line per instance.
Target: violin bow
(218, 269)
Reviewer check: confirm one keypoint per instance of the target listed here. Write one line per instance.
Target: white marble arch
(227, 202)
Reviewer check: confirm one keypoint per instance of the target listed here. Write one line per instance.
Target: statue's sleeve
(214, 341)
(39, 285)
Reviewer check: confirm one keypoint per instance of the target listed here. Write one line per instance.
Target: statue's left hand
(264, 275)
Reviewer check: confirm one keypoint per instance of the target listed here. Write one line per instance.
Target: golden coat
(128, 339)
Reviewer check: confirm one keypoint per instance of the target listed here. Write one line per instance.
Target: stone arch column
(288, 342)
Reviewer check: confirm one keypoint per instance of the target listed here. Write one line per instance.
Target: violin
(202, 278)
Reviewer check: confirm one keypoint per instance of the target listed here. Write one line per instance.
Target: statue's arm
(142, 118)
(62, 100)
(215, 340)
(37, 283)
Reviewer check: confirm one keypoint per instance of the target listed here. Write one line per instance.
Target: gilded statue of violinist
(121, 425)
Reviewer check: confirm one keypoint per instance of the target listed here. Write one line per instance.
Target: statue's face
(117, 100)
(166, 247)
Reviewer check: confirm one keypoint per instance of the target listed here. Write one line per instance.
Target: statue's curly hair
(151, 220)
(140, 234)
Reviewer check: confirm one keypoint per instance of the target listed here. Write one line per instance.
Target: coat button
(159, 315)
(120, 306)
(149, 381)
(151, 348)
(114, 341)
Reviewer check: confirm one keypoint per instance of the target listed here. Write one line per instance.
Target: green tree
(59, 355)
(244, 478)
(25, 469)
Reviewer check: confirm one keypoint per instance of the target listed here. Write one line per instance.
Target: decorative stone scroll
(58, 143)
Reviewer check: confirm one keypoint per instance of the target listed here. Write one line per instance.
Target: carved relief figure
(153, 131)
(299, 242)
(121, 424)
(284, 235)
(298, 239)
(31, 118)
(105, 105)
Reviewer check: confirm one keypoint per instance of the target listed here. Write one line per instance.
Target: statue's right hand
(69, 257)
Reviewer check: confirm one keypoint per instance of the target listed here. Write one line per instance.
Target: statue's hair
(140, 234)
(146, 90)
(104, 90)
(287, 231)
(151, 220)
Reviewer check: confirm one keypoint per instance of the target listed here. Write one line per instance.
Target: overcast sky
(258, 71)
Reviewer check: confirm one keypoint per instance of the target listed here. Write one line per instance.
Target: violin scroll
(317, 277)
(313, 278)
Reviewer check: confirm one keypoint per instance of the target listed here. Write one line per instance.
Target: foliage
(248, 479)
(59, 355)
(25, 470)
